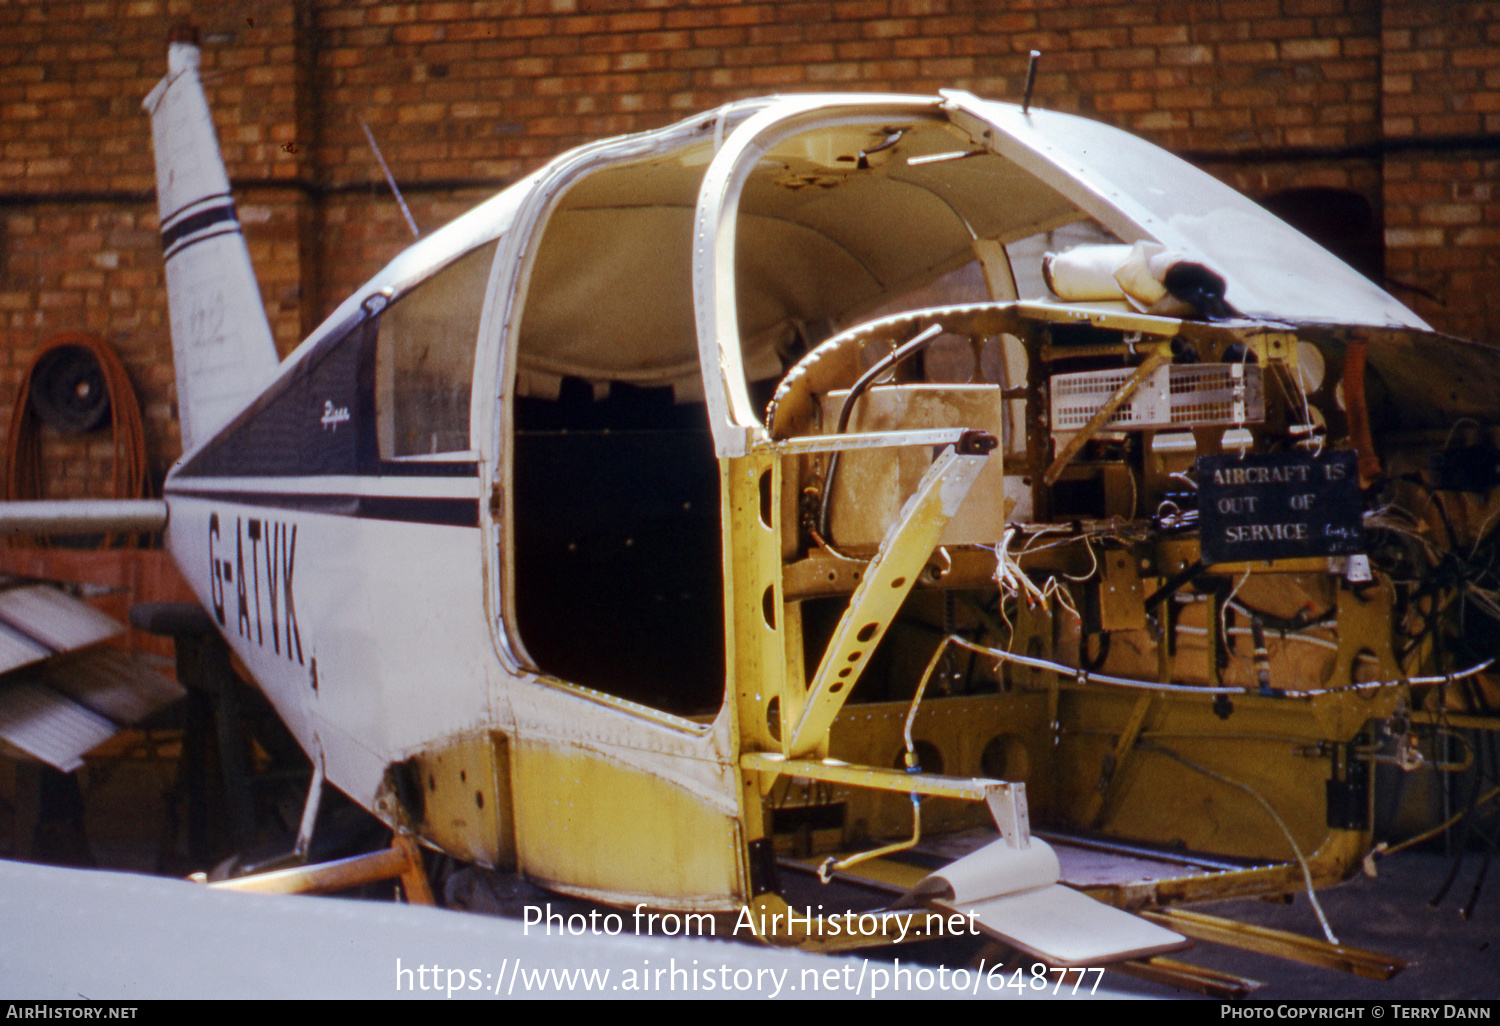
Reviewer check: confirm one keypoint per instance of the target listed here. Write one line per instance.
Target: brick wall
(1441, 82)
(1397, 100)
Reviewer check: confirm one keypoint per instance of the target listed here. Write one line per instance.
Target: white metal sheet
(222, 346)
(113, 682)
(1014, 895)
(53, 618)
(50, 726)
(1068, 929)
(1138, 190)
(17, 650)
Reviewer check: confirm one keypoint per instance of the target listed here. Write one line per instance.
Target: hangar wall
(1394, 104)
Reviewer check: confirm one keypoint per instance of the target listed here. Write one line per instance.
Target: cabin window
(424, 360)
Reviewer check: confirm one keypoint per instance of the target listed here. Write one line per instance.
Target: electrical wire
(1296, 848)
(1084, 676)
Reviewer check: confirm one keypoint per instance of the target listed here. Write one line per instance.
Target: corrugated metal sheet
(74, 700)
(50, 726)
(113, 682)
(53, 618)
(17, 650)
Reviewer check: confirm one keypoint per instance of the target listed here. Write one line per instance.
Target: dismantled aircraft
(832, 480)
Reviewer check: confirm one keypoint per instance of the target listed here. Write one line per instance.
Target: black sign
(1278, 506)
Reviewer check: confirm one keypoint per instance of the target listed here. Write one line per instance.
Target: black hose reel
(68, 390)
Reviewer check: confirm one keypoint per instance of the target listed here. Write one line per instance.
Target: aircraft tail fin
(221, 340)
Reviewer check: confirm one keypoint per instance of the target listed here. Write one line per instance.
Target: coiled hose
(72, 394)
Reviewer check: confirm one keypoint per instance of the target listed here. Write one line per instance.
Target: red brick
(1476, 236)
(855, 10)
(1184, 98)
(1247, 52)
(1449, 124)
(1257, 10)
(1309, 49)
(920, 47)
(1160, 120)
(719, 37)
(1127, 57)
(1487, 57)
(1123, 101)
(830, 71)
(1399, 61)
(889, 28)
(581, 25)
(862, 50)
(1094, 39)
(1186, 55)
(1006, 23)
(1221, 118)
(638, 21)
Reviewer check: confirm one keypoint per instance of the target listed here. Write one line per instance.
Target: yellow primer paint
(589, 825)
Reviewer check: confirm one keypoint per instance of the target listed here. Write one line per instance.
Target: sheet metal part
(50, 727)
(40, 621)
(903, 553)
(65, 693)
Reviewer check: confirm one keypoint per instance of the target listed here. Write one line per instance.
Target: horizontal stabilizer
(221, 340)
(1015, 897)
(83, 516)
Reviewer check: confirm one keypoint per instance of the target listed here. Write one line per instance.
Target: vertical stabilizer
(221, 340)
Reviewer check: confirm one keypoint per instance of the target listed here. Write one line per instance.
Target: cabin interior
(618, 581)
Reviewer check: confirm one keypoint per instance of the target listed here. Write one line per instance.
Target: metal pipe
(390, 180)
(401, 859)
(832, 865)
(82, 516)
(890, 360)
(310, 808)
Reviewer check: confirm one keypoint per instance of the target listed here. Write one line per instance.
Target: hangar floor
(1447, 956)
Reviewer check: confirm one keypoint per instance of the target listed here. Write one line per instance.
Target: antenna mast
(390, 179)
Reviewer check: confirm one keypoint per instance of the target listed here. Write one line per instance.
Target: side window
(424, 360)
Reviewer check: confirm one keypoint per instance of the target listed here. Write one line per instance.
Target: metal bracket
(1006, 799)
(889, 578)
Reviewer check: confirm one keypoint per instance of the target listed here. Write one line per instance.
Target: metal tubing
(1083, 676)
(82, 516)
(401, 859)
(1185, 976)
(1248, 937)
(1036, 56)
